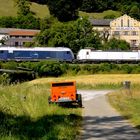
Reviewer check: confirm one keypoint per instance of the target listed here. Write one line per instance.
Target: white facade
(126, 28)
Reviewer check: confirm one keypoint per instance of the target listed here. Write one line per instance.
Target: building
(124, 28)
(4, 34)
(17, 37)
(100, 24)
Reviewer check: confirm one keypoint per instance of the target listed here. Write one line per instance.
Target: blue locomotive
(36, 54)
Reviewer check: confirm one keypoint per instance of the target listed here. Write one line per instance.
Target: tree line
(56, 7)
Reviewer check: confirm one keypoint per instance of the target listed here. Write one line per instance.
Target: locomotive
(36, 54)
(65, 54)
(96, 56)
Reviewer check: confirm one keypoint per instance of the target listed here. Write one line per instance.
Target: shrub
(50, 69)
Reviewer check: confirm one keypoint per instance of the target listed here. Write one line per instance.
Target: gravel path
(101, 121)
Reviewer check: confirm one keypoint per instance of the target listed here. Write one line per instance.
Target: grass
(128, 104)
(7, 8)
(102, 14)
(25, 114)
(98, 81)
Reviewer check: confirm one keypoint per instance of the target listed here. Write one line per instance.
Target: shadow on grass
(25, 128)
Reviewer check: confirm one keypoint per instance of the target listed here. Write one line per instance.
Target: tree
(135, 12)
(3, 40)
(75, 35)
(116, 44)
(23, 7)
(64, 10)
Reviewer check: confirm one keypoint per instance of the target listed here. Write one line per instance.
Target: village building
(124, 28)
(17, 37)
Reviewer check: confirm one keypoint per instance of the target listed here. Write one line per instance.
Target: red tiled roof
(23, 33)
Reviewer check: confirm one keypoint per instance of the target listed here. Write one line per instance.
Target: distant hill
(7, 8)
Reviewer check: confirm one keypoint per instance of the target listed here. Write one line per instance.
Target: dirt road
(101, 121)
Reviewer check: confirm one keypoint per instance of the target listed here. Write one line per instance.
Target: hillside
(7, 8)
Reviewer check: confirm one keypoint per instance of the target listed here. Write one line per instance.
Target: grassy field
(26, 115)
(128, 104)
(96, 80)
(102, 14)
(7, 8)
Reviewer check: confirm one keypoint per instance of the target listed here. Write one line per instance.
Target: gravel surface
(101, 121)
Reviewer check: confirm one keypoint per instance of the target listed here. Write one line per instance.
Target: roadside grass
(127, 102)
(25, 114)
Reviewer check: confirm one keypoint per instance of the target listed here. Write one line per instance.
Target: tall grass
(127, 102)
(25, 114)
(98, 81)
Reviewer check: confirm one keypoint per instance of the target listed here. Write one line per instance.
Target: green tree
(116, 44)
(135, 12)
(23, 7)
(64, 10)
(75, 34)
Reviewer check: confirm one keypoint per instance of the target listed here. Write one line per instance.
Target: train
(97, 56)
(36, 54)
(66, 55)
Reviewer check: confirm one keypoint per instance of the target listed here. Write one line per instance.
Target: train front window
(1, 51)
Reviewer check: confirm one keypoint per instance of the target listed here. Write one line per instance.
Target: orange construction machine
(65, 92)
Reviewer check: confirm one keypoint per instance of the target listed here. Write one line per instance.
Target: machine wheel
(79, 98)
(49, 99)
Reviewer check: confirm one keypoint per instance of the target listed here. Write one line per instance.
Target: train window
(68, 52)
(2, 51)
(87, 53)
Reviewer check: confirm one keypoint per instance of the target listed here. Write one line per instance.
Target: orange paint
(63, 91)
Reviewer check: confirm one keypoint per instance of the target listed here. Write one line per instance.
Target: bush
(50, 69)
(75, 69)
(127, 68)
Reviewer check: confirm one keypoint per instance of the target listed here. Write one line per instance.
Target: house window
(128, 22)
(16, 43)
(121, 22)
(125, 33)
(12, 36)
(134, 33)
(133, 43)
(116, 33)
(23, 36)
